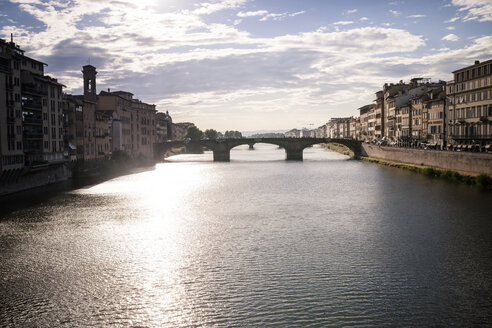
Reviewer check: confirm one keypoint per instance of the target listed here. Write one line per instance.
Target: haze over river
(255, 242)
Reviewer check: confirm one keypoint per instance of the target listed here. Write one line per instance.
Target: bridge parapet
(294, 147)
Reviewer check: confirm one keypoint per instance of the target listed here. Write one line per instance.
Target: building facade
(31, 117)
(469, 101)
(132, 123)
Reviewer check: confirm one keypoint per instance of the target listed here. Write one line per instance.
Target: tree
(194, 133)
(233, 134)
(211, 134)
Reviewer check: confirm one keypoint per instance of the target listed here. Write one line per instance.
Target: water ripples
(323, 243)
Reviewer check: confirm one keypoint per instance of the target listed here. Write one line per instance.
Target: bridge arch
(294, 147)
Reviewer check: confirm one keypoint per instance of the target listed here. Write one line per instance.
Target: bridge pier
(293, 154)
(222, 156)
(251, 146)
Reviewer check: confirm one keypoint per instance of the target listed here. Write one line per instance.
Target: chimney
(12, 37)
(477, 62)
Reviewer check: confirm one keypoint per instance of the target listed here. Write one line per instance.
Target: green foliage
(429, 171)
(194, 133)
(211, 134)
(484, 182)
(233, 135)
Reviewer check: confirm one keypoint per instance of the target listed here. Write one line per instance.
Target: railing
(33, 135)
(33, 105)
(468, 137)
(5, 69)
(35, 91)
(33, 120)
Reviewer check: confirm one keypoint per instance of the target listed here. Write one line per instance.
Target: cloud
(279, 17)
(417, 16)
(265, 15)
(450, 28)
(252, 13)
(474, 10)
(451, 37)
(364, 18)
(221, 76)
(394, 13)
(351, 11)
(343, 23)
(452, 20)
(208, 8)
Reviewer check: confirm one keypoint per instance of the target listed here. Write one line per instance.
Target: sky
(251, 65)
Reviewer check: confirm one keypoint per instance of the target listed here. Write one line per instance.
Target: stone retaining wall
(448, 160)
(53, 174)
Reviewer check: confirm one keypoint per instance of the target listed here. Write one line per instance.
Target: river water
(255, 242)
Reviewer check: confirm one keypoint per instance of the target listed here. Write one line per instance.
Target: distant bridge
(221, 148)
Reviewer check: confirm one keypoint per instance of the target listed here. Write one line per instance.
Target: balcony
(32, 105)
(5, 69)
(33, 135)
(34, 91)
(32, 120)
(484, 118)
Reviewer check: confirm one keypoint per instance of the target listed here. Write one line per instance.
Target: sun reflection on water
(157, 236)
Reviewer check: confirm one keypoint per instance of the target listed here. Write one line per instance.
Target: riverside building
(86, 127)
(469, 101)
(133, 123)
(31, 118)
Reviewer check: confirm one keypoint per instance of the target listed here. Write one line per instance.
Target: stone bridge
(221, 148)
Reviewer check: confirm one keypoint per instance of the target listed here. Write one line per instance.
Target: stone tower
(89, 72)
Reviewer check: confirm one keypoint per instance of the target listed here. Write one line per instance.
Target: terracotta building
(132, 123)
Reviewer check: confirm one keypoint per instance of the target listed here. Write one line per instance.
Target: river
(259, 241)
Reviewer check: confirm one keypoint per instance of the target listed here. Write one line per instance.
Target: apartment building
(366, 114)
(31, 118)
(133, 122)
(294, 133)
(469, 97)
(163, 127)
(434, 111)
(179, 130)
(378, 117)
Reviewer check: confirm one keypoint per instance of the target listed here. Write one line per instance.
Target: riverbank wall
(29, 180)
(79, 172)
(467, 162)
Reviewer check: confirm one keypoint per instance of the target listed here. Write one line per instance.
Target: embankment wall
(53, 174)
(456, 161)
